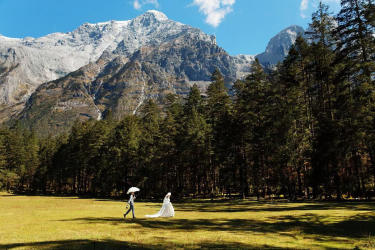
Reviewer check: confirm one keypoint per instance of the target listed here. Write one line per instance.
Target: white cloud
(305, 4)
(214, 10)
(138, 4)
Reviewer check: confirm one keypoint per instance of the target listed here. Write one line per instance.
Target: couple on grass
(166, 210)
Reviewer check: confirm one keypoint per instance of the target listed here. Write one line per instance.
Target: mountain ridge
(174, 55)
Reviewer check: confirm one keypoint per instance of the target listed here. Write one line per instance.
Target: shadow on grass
(6, 195)
(224, 204)
(311, 225)
(113, 244)
(254, 206)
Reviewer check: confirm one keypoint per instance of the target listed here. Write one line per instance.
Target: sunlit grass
(29, 222)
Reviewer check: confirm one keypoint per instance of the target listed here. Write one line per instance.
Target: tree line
(304, 129)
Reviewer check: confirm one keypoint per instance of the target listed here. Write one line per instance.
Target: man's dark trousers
(130, 208)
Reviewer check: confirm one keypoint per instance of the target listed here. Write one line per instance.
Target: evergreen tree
(296, 92)
(16, 159)
(169, 144)
(31, 145)
(218, 110)
(123, 155)
(47, 150)
(327, 152)
(150, 115)
(356, 37)
(3, 161)
(322, 26)
(356, 52)
(254, 104)
(195, 145)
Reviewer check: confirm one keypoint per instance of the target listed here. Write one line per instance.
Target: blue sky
(240, 26)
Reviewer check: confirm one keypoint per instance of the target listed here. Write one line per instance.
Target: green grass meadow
(38, 222)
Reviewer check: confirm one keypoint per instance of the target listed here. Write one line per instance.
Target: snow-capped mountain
(26, 63)
(119, 83)
(278, 47)
(111, 66)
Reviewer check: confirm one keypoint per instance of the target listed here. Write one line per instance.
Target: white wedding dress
(166, 210)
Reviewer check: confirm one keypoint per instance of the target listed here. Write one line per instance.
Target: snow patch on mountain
(243, 65)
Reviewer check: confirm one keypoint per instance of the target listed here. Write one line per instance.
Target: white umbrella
(132, 190)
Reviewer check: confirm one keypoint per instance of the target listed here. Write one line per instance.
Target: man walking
(131, 205)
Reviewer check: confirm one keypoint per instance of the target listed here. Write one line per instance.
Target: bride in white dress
(166, 210)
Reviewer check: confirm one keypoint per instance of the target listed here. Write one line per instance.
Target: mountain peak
(293, 31)
(157, 15)
(293, 27)
(278, 47)
(149, 18)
